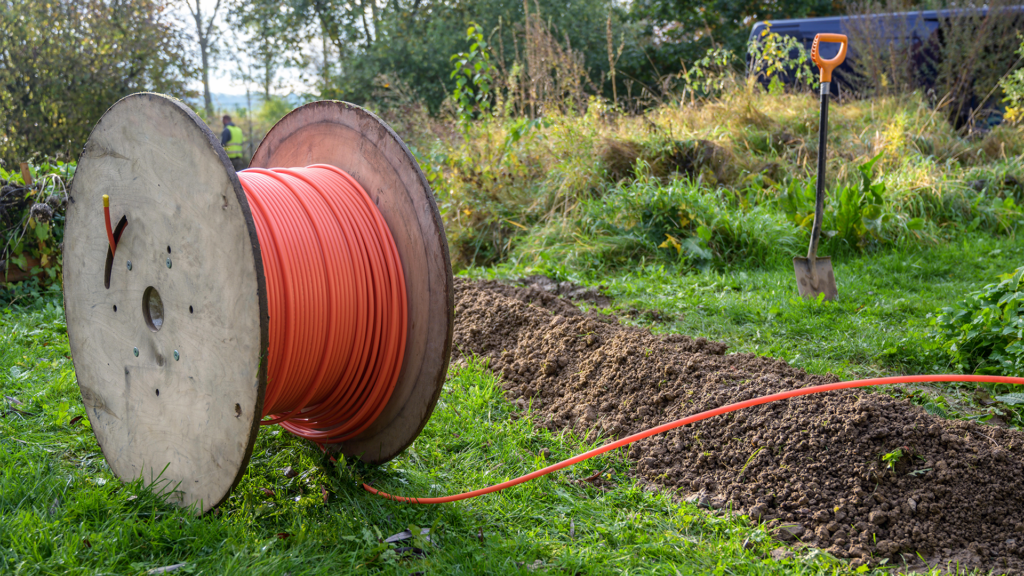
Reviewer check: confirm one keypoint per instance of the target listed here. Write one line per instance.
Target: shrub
(32, 222)
(983, 333)
(1013, 86)
(856, 217)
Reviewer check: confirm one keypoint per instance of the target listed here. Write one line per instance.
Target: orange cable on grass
(697, 418)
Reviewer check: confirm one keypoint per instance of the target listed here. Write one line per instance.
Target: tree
(206, 35)
(271, 35)
(64, 62)
(413, 39)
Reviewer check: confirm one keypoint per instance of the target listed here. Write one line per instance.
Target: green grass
(62, 511)
(878, 326)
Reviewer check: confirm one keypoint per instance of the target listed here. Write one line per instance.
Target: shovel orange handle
(827, 66)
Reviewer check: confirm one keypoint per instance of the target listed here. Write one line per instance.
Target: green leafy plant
(679, 221)
(1012, 399)
(855, 216)
(708, 77)
(982, 334)
(32, 221)
(474, 75)
(1013, 87)
(892, 458)
(773, 56)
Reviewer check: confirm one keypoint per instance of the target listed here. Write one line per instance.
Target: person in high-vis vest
(231, 139)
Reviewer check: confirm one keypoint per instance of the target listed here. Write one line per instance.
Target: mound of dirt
(811, 467)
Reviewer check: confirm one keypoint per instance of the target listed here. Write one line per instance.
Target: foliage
(64, 62)
(268, 41)
(412, 40)
(684, 30)
(898, 174)
(473, 73)
(855, 216)
(891, 459)
(271, 110)
(777, 58)
(1013, 87)
(708, 76)
(679, 223)
(32, 222)
(984, 332)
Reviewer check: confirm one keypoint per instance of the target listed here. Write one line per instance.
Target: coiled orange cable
(336, 299)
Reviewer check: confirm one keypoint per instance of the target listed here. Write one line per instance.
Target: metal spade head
(820, 280)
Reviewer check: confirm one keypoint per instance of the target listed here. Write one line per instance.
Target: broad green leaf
(1012, 399)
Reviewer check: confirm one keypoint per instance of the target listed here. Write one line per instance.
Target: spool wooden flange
(174, 392)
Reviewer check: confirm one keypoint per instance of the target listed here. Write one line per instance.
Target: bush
(983, 333)
(64, 62)
(32, 223)
(1013, 86)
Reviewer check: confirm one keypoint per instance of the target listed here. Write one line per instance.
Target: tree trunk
(203, 34)
(205, 54)
(366, 27)
(268, 76)
(327, 61)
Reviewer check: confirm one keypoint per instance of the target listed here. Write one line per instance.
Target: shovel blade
(826, 278)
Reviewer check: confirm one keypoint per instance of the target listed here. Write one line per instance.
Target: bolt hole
(189, 309)
(157, 391)
(115, 307)
(238, 410)
(168, 249)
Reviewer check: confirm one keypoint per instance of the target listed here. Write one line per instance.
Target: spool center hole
(152, 309)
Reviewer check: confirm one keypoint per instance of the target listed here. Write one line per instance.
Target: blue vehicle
(918, 35)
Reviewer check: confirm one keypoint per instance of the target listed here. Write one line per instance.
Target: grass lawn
(62, 511)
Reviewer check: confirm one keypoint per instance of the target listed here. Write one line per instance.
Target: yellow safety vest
(234, 147)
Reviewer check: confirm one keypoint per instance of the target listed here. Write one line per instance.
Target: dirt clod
(813, 462)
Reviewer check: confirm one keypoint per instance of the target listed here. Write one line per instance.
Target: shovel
(814, 274)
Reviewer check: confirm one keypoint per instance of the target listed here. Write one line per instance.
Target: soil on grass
(811, 467)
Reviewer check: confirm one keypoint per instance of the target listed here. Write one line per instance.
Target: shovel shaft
(819, 196)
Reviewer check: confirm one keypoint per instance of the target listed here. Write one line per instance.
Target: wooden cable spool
(169, 334)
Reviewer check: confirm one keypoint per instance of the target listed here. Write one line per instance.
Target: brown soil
(810, 467)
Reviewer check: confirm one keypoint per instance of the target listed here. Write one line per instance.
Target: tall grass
(512, 187)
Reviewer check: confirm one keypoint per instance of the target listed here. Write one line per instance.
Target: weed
(32, 222)
(983, 333)
(473, 73)
(892, 459)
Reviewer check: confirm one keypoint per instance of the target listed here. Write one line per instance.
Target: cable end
(106, 201)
